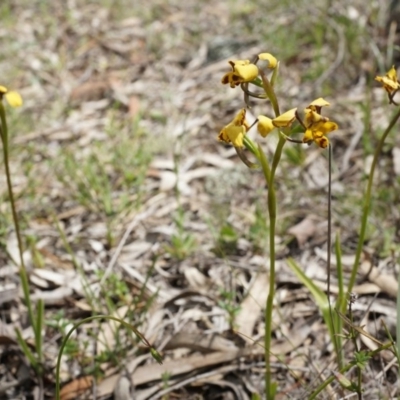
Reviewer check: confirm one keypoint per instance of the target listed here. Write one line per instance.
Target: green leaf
(320, 297)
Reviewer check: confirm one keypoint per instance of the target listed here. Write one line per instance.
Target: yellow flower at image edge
(389, 81)
(235, 131)
(14, 99)
(242, 71)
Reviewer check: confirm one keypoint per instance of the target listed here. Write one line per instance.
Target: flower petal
(286, 119)
(320, 102)
(392, 74)
(240, 119)
(239, 63)
(14, 99)
(246, 73)
(272, 61)
(232, 134)
(329, 126)
(3, 90)
(322, 142)
(312, 117)
(230, 78)
(317, 105)
(265, 125)
(308, 136)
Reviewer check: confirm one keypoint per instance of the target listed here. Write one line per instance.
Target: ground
(129, 205)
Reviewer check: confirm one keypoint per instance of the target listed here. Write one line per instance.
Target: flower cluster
(243, 72)
(316, 127)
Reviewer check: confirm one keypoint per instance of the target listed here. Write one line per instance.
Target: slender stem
(269, 174)
(329, 244)
(397, 347)
(271, 293)
(22, 269)
(277, 156)
(269, 90)
(366, 206)
(36, 323)
(4, 137)
(153, 351)
(337, 319)
(270, 299)
(334, 331)
(354, 334)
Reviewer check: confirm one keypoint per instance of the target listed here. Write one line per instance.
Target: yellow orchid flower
(242, 71)
(265, 125)
(389, 81)
(272, 61)
(317, 129)
(13, 98)
(234, 132)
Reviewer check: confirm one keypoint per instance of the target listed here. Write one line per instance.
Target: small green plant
(228, 303)
(226, 242)
(183, 243)
(258, 232)
(61, 324)
(117, 300)
(114, 289)
(166, 377)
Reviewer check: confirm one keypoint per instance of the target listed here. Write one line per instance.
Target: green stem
(269, 386)
(277, 156)
(269, 91)
(269, 174)
(366, 207)
(337, 320)
(397, 347)
(22, 270)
